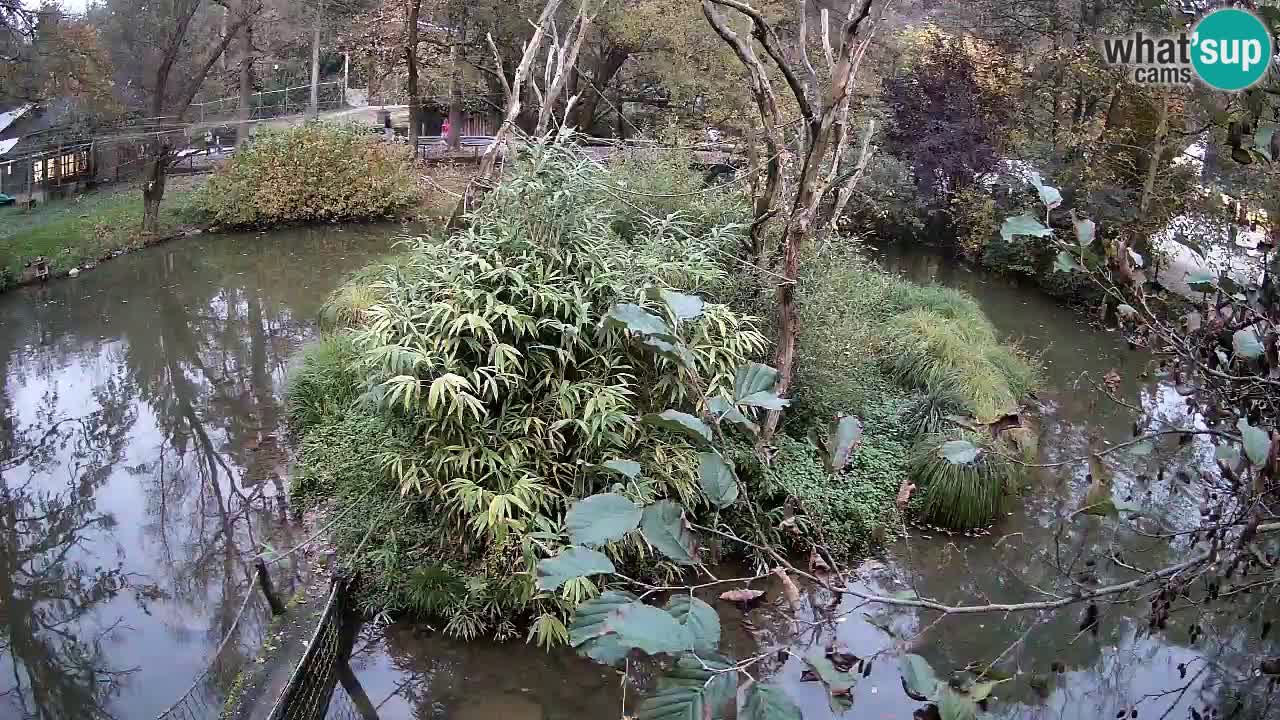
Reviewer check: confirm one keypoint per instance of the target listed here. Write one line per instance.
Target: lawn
(70, 233)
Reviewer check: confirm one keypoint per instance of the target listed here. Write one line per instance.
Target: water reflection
(142, 459)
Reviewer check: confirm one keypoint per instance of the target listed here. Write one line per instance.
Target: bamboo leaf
(664, 527)
(717, 479)
(573, 562)
(601, 519)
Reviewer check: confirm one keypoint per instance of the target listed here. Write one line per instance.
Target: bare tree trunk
(315, 62)
(153, 185)
(607, 66)
(455, 80)
(244, 112)
(568, 56)
(411, 59)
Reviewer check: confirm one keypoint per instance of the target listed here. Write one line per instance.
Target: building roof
(7, 145)
(7, 117)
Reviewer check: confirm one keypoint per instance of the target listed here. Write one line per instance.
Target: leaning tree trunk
(411, 59)
(153, 186)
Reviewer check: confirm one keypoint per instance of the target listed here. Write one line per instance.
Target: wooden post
(264, 581)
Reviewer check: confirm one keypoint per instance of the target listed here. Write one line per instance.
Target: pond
(143, 462)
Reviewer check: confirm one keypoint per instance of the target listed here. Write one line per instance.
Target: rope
(329, 525)
(249, 595)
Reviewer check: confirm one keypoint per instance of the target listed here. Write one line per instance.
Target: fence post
(264, 581)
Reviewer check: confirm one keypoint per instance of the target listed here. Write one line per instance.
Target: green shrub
(317, 172)
(323, 385)
(487, 348)
(961, 496)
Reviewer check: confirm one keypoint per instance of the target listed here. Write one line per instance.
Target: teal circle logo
(1231, 49)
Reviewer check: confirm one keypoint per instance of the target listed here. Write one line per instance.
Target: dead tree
(798, 201)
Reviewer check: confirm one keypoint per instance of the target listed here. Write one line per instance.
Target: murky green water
(155, 383)
(141, 460)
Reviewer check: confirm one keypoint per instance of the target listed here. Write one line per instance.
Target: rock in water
(73, 272)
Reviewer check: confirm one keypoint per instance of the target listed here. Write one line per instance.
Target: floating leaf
(717, 479)
(767, 701)
(629, 468)
(683, 307)
(723, 410)
(1202, 281)
(838, 683)
(664, 527)
(1246, 343)
(753, 378)
(743, 595)
(696, 687)
(589, 617)
(637, 320)
(788, 588)
(1257, 442)
(958, 452)
(683, 423)
(953, 705)
(601, 519)
(699, 618)
(573, 562)
(652, 630)
(765, 399)
(1097, 500)
(1023, 225)
(1085, 232)
(918, 676)
(1066, 262)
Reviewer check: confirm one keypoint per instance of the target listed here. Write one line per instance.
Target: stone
(73, 272)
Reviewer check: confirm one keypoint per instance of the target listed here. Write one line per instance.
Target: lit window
(68, 165)
(82, 161)
(38, 167)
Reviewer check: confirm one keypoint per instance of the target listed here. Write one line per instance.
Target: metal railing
(270, 103)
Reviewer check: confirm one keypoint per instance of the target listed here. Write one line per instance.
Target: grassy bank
(469, 392)
(96, 225)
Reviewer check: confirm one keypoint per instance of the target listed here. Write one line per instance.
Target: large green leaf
(629, 468)
(589, 617)
(767, 701)
(918, 676)
(717, 479)
(700, 619)
(652, 630)
(958, 452)
(637, 320)
(954, 705)
(683, 307)
(1085, 232)
(664, 527)
(765, 399)
(695, 688)
(724, 411)
(843, 435)
(1246, 343)
(606, 649)
(1202, 281)
(1257, 442)
(1023, 225)
(601, 519)
(683, 423)
(574, 562)
(675, 352)
(1066, 262)
(1050, 196)
(753, 378)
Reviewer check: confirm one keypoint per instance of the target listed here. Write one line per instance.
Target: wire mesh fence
(314, 690)
(269, 104)
(207, 694)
